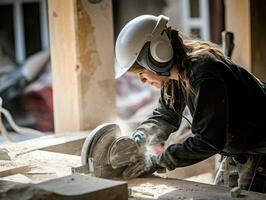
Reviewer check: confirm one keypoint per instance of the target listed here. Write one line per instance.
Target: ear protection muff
(161, 48)
(146, 60)
(157, 54)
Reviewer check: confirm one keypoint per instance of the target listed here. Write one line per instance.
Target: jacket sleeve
(209, 126)
(164, 120)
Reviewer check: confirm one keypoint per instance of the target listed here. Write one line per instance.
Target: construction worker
(227, 103)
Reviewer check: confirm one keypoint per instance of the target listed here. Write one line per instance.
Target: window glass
(7, 43)
(32, 29)
(195, 33)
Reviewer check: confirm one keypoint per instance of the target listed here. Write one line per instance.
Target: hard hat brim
(120, 71)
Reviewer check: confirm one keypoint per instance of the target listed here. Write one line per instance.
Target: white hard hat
(135, 35)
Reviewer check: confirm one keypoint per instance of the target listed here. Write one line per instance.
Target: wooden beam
(8, 168)
(86, 187)
(70, 144)
(19, 178)
(74, 187)
(81, 36)
(238, 21)
(246, 19)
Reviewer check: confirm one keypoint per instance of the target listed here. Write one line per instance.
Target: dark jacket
(228, 111)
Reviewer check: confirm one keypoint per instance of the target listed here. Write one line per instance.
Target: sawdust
(43, 162)
(11, 167)
(151, 190)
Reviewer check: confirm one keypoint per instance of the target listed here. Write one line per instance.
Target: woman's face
(152, 78)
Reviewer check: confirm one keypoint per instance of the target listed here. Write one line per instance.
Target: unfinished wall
(82, 53)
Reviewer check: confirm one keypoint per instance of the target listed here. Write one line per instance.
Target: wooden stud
(70, 144)
(8, 168)
(74, 187)
(238, 22)
(246, 19)
(81, 36)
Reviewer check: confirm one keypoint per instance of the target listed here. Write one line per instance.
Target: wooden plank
(86, 186)
(8, 168)
(238, 21)
(48, 165)
(82, 63)
(170, 189)
(69, 144)
(40, 165)
(74, 187)
(19, 178)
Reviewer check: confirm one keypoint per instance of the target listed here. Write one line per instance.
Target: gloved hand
(143, 167)
(139, 137)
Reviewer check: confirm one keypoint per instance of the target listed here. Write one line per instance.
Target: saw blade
(96, 148)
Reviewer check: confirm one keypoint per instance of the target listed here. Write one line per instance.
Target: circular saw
(105, 153)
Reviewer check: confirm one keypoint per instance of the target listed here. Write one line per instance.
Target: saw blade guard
(95, 150)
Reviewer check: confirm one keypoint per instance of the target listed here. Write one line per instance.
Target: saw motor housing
(107, 152)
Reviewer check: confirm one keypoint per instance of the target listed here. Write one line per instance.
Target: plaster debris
(4, 154)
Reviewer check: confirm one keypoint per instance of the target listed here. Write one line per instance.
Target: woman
(228, 104)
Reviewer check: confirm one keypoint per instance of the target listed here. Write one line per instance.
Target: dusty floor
(155, 188)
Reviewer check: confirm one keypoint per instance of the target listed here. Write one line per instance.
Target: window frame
(19, 37)
(201, 22)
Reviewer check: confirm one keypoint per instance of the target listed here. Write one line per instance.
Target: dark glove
(143, 167)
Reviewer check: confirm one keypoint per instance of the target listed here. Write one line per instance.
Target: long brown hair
(186, 49)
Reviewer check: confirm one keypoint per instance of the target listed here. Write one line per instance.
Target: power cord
(18, 129)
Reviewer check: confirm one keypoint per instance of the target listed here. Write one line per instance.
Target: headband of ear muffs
(146, 60)
(157, 55)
